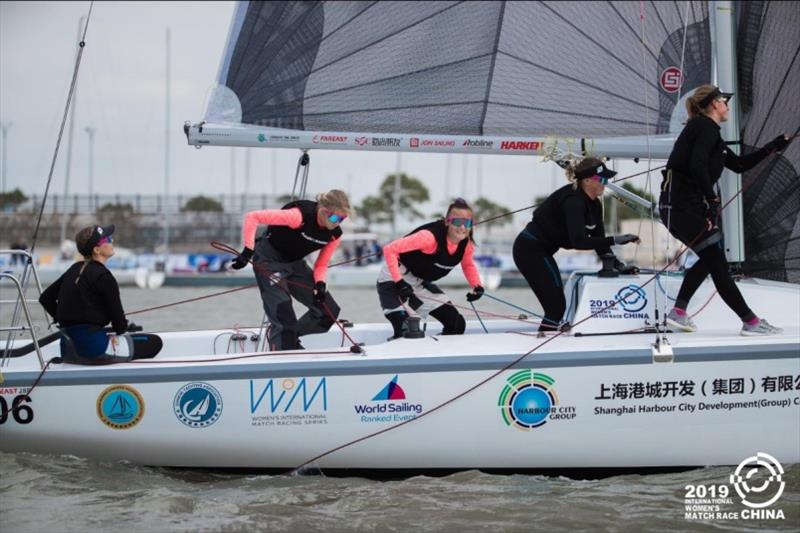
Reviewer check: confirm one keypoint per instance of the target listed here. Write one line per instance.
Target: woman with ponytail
(423, 256)
(570, 218)
(689, 205)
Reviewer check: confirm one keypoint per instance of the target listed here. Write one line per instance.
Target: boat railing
(21, 311)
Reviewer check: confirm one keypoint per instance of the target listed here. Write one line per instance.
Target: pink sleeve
(424, 241)
(324, 258)
(274, 217)
(469, 267)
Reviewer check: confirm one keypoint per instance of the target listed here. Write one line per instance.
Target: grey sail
(768, 49)
(462, 68)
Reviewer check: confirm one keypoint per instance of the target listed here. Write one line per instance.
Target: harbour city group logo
(389, 405)
(528, 400)
(197, 405)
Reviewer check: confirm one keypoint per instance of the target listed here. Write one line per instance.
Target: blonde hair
(693, 102)
(334, 199)
(575, 167)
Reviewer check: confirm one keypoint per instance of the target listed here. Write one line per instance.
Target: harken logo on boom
(531, 146)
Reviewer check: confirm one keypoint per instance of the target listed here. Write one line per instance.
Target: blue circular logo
(527, 400)
(198, 405)
(120, 407)
(531, 406)
(631, 298)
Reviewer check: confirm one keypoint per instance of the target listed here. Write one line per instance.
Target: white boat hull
(577, 402)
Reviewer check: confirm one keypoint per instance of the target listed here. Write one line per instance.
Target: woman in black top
(571, 218)
(689, 205)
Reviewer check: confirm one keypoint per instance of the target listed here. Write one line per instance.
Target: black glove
(625, 238)
(132, 326)
(404, 290)
(320, 290)
(476, 294)
(622, 268)
(778, 144)
(242, 259)
(712, 209)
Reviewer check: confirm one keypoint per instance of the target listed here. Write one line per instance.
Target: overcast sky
(121, 93)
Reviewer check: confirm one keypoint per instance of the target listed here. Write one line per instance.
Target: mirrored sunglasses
(600, 179)
(336, 218)
(460, 221)
(109, 239)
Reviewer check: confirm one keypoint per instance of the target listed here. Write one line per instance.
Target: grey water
(66, 493)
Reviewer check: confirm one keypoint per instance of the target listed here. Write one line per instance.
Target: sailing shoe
(762, 327)
(682, 322)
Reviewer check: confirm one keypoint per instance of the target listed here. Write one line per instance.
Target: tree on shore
(380, 208)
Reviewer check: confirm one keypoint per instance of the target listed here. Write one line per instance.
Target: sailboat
(618, 392)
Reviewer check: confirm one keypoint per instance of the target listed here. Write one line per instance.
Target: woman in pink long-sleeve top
(423, 256)
(294, 231)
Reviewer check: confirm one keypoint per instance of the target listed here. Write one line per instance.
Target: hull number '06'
(19, 411)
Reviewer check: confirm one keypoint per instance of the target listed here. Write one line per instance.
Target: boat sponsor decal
(15, 405)
(285, 138)
(529, 400)
(198, 405)
(329, 139)
(530, 146)
(671, 79)
(413, 142)
(726, 394)
(361, 141)
(416, 142)
(288, 402)
(628, 302)
(758, 481)
(388, 406)
(383, 142)
(120, 407)
(262, 138)
(477, 143)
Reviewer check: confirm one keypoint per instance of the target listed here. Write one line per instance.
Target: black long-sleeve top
(90, 297)
(568, 218)
(697, 160)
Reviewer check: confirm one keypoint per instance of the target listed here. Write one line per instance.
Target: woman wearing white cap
(570, 218)
(689, 205)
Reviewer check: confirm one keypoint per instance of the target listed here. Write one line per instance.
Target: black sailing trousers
(542, 274)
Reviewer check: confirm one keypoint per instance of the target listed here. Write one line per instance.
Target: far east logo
(120, 407)
(197, 405)
(528, 400)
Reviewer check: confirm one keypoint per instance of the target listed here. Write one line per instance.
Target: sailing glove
(242, 259)
(625, 238)
(320, 290)
(404, 290)
(132, 326)
(777, 144)
(622, 268)
(476, 294)
(712, 209)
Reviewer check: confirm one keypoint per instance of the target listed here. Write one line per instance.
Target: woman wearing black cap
(86, 298)
(689, 205)
(571, 218)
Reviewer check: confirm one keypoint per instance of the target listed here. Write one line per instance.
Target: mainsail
(509, 70)
(768, 46)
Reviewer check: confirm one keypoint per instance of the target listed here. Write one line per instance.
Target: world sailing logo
(197, 405)
(528, 400)
(389, 406)
(120, 407)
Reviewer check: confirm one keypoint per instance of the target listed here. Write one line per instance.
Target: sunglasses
(335, 218)
(103, 240)
(460, 221)
(600, 179)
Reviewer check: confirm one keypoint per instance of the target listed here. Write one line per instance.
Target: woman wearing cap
(571, 218)
(86, 298)
(689, 205)
(414, 262)
(296, 230)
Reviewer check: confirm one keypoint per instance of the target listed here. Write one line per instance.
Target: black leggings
(542, 274)
(712, 261)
